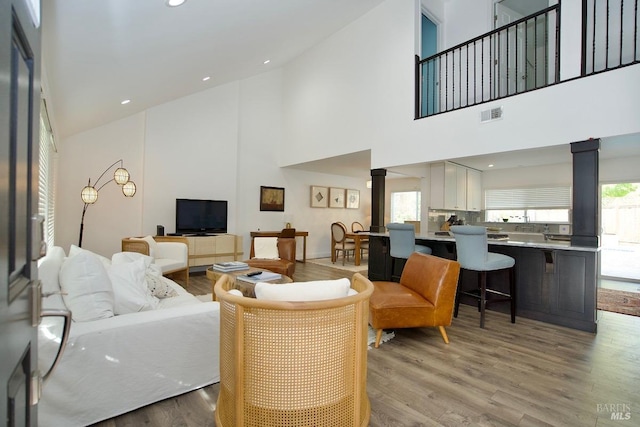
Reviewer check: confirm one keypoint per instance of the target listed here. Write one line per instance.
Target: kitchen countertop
(514, 239)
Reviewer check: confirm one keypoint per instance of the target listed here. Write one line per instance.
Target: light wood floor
(525, 374)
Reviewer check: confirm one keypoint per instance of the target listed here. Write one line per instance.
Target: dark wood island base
(555, 282)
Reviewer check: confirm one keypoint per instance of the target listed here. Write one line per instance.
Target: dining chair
(356, 227)
(339, 238)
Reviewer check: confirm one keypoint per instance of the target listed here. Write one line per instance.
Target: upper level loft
(527, 53)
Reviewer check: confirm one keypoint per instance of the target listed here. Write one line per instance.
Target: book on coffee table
(226, 267)
(262, 277)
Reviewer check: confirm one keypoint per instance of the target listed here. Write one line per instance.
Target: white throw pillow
(127, 257)
(265, 248)
(130, 289)
(89, 294)
(74, 250)
(303, 291)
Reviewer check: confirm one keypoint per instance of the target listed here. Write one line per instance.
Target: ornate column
(586, 193)
(377, 199)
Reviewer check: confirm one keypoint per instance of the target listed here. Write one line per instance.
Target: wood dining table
(358, 238)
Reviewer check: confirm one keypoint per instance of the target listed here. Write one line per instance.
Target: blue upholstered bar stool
(402, 239)
(473, 254)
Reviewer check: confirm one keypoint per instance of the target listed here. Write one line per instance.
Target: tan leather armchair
(424, 297)
(285, 265)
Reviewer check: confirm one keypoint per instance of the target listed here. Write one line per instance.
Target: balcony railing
(609, 35)
(515, 58)
(525, 55)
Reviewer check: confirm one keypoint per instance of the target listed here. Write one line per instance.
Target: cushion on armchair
(266, 248)
(303, 291)
(286, 261)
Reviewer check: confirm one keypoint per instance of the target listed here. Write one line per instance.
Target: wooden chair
(357, 227)
(339, 240)
(424, 297)
(293, 364)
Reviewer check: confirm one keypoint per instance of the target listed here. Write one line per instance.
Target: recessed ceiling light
(126, 101)
(174, 3)
(267, 61)
(204, 79)
(490, 166)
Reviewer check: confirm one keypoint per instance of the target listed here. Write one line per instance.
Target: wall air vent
(490, 115)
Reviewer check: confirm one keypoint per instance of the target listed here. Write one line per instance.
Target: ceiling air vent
(490, 115)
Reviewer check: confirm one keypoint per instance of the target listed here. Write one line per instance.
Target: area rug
(326, 262)
(619, 301)
(386, 336)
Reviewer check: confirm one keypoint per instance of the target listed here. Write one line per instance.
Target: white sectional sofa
(118, 363)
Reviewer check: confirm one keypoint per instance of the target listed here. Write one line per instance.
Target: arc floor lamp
(90, 192)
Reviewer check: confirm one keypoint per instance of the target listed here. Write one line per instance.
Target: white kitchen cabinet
(454, 188)
(474, 190)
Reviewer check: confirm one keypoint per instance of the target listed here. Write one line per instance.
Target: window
(540, 204)
(46, 180)
(405, 206)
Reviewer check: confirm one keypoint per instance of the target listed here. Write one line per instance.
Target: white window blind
(46, 180)
(527, 198)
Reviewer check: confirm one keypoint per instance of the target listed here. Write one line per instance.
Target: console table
(302, 234)
(207, 250)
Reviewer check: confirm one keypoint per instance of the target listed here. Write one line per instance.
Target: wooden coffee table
(247, 288)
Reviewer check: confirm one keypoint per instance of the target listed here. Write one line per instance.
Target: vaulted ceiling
(100, 53)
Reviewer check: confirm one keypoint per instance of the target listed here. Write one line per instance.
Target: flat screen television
(201, 216)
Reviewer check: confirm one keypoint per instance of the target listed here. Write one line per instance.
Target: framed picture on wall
(353, 199)
(336, 197)
(271, 199)
(319, 197)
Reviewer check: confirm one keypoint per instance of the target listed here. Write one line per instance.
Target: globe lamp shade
(129, 189)
(89, 194)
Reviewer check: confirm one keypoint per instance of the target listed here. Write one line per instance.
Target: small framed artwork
(336, 197)
(353, 199)
(271, 199)
(319, 197)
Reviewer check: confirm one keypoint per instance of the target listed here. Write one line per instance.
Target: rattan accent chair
(293, 363)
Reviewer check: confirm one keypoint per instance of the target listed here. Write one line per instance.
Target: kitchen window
(405, 206)
(539, 204)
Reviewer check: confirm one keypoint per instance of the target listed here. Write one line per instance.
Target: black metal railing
(521, 56)
(609, 35)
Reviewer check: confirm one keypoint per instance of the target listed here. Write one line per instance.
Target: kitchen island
(555, 282)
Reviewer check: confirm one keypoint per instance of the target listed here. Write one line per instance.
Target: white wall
(86, 155)
(355, 91)
(222, 143)
(352, 92)
(190, 151)
(348, 93)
